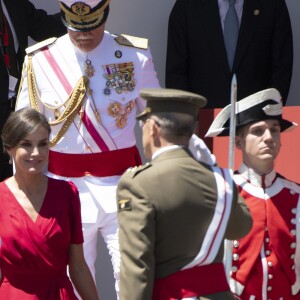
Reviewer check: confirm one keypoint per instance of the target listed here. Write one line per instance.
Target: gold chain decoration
(97, 114)
(75, 102)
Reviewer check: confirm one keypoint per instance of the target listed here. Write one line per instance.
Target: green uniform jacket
(164, 210)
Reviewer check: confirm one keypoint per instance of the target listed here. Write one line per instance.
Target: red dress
(34, 255)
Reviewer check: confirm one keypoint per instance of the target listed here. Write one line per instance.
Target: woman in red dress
(40, 222)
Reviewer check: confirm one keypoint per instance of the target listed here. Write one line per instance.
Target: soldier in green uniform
(175, 212)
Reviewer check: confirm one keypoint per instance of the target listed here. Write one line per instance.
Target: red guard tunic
(266, 263)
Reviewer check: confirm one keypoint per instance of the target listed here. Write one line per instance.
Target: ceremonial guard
(86, 83)
(175, 212)
(266, 262)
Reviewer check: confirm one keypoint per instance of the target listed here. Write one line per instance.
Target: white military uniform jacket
(120, 72)
(105, 58)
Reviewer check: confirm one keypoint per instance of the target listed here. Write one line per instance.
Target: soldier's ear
(238, 142)
(154, 127)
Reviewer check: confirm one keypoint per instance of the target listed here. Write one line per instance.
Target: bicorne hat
(260, 106)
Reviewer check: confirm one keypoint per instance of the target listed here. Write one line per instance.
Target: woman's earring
(10, 160)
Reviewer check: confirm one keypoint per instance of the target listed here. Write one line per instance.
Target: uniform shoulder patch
(124, 204)
(40, 45)
(132, 41)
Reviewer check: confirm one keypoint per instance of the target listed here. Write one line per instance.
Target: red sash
(103, 164)
(197, 281)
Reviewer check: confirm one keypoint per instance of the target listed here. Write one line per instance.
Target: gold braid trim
(63, 129)
(84, 17)
(90, 25)
(70, 113)
(76, 99)
(32, 86)
(93, 18)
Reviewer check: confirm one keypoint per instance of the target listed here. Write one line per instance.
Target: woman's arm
(80, 274)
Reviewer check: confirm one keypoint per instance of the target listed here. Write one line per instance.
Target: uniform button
(235, 256)
(270, 264)
(292, 256)
(236, 244)
(293, 267)
(270, 276)
(293, 245)
(267, 240)
(266, 228)
(293, 221)
(234, 269)
(269, 288)
(294, 210)
(293, 231)
(292, 192)
(268, 252)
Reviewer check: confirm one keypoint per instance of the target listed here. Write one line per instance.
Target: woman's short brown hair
(20, 124)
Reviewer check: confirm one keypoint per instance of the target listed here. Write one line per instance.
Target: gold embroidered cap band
(84, 15)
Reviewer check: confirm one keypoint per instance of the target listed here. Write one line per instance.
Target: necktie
(231, 32)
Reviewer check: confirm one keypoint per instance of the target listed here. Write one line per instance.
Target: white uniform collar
(263, 181)
(165, 149)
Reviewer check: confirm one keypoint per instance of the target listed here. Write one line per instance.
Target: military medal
(114, 109)
(119, 77)
(120, 113)
(89, 70)
(106, 91)
(121, 121)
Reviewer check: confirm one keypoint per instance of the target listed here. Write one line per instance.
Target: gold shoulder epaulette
(132, 41)
(40, 45)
